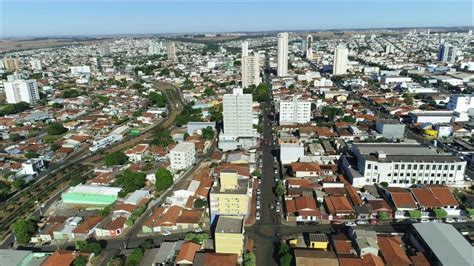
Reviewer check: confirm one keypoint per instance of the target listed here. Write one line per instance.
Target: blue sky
(38, 18)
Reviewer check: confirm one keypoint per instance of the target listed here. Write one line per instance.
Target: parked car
(461, 220)
(258, 204)
(361, 222)
(257, 216)
(449, 220)
(336, 222)
(278, 209)
(351, 224)
(198, 230)
(424, 220)
(166, 233)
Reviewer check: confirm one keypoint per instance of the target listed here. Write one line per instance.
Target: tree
(80, 261)
(200, 203)
(157, 99)
(382, 215)
(207, 133)
(57, 106)
(130, 181)
(384, 184)
(284, 254)
(186, 136)
(55, 146)
(14, 137)
(249, 259)
(332, 112)
(164, 179)
(89, 247)
(257, 173)
(261, 93)
(440, 213)
(415, 214)
(23, 230)
(18, 183)
(348, 118)
(209, 92)
(56, 129)
(135, 257)
(162, 137)
(115, 158)
(71, 93)
(280, 189)
(31, 154)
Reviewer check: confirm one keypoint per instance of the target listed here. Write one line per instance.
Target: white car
(461, 220)
(258, 191)
(257, 216)
(258, 205)
(449, 220)
(424, 221)
(259, 181)
(361, 222)
(278, 209)
(350, 224)
(198, 230)
(166, 233)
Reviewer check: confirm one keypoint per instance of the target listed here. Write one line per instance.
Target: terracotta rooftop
(305, 167)
(392, 251)
(338, 204)
(116, 224)
(444, 195)
(60, 258)
(425, 198)
(88, 224)
(372, 260)
(187, 252)
(403, 199)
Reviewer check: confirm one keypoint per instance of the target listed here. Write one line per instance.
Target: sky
(37, 18)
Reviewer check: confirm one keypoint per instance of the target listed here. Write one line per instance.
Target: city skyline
(40, 19)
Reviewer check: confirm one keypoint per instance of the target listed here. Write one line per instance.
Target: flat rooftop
(182, 147)
(228, 224)
(91, 189)
(395, 149)
(447, 244)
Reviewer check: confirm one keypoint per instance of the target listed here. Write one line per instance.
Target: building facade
(22, 91)
(447, 53)
(340, 61)
(250, 70)
(183, 156)
(237, 112)
(295, 111)
(282, 67)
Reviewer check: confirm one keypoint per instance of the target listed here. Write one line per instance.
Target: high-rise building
(295, 110)
(250, 70)
(447, 53)
(309, 46)
(171, 52)
(237, 112)
(245, 48)
(340, 61)
(35, 64)
(22, 91)
(104, 49)
(183, 156)
(282, 68)
(154, 48)
(11, 64)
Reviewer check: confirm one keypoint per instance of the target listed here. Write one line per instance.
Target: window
(403, 167)
(369, 166)
(396, 167)
(452, 167)
(415, 166)
(445, 167)
(409, 167)
(376, 167)
(459, 168)
(439, 167)
(421, 167)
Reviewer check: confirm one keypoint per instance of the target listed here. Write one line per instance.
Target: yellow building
(318, 241)
(11, 64)
(230, 196)
(229, 235)
(430, 133)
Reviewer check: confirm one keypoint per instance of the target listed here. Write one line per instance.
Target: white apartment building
(295, 110)
(183, 156)
(461, 103)
(282, 67)
(309, 46)
(340, 61)
(171, 52)
(403, 164)
(237, 112)
(154, 48)
(323, 82)
(245, 48)
(80, 70)
(22, 91)
(35, 64)
(250, 70)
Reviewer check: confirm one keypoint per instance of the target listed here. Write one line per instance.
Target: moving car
(449, 220)
(166, 233)
(424, 221)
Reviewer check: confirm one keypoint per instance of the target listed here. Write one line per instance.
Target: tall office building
(447, 53)
(35, 64)
(340, 61)
(238, 114)
(250, 70)
(171, 52)
(282, 68)
(309, 46)
(21, 91)
(104, 49)
(11, 64)
(154, 48)
(245, 48)
(294, 110)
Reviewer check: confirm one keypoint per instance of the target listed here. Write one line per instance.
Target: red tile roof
(337, 204)
(87, 225)
(403, 199)
(220, 259)
(305, 167)
(392, 251)
(444, 195)
(425, 198)
(187, 252)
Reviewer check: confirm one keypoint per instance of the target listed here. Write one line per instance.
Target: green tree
(185, 136)
(130, 181)
(115, 158)
(384, 184)
(57, 106)
(209, 92)
(31, 154)
(348, 118)
(382, 215)
(280, 189)
(80, 261)
(56, 129)
(332, 112)
(207, 133)
(23, 230)
(162, 137)
(440, 213)
(257, 173)
(71, 93)
(89, 247)
(414, 214)
(14, 137)
(55, 146)
(135, 257)
(284, 254)
(18, 183)
(157, 99)
(164, 179)
(249, 259)
(200, 203)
